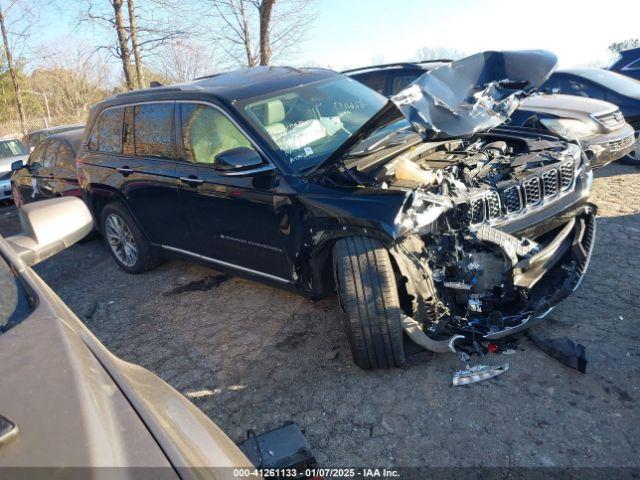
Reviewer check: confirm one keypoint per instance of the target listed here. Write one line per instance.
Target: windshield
(309, 122)
(11, 148)
(614, 81)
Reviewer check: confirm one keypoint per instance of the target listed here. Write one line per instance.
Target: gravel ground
(251, 356)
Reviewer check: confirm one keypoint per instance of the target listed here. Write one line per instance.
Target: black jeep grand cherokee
(423, 215)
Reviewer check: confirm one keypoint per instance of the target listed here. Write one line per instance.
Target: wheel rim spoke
(120, 239)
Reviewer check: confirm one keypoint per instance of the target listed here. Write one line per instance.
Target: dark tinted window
(574, 86)
(107, 135)
(65, 158)
(375, 80)
(153, 130)
(50, 154)
(401, 80)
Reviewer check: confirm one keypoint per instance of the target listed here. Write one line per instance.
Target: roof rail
(148, 90)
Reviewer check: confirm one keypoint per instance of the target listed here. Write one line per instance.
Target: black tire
(145, 260)
(368, 296)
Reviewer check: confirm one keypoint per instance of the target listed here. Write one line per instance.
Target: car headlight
(569, 128)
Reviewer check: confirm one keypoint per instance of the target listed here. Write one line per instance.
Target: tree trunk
(246, 36)
(134, 43)
(124, 53)
(12, 72)
(266, 8)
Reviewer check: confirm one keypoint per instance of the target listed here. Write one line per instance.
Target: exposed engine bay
(465, 269)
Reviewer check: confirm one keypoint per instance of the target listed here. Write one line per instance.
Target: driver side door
(235, 218)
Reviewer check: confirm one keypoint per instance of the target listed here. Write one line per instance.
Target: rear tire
(368, 296)
(125, 241)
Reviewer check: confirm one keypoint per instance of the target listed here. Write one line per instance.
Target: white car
(11, 150)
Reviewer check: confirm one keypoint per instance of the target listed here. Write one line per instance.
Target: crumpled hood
(473, 94)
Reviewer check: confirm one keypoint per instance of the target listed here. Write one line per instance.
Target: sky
(351, 33)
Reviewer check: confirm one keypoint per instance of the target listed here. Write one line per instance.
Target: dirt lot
(251, 356)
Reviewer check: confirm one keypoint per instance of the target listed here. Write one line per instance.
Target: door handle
(192, 181)
(125, 171)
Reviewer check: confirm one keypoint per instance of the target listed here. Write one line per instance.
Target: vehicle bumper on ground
(608, 147)
(5, 186)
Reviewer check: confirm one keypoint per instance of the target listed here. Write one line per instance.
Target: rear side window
(107, 134)
(153, 130)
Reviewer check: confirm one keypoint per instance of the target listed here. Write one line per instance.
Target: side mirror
(17, 165)
(50, 226)
(241, 158)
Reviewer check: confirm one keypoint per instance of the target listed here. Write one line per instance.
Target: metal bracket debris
(477, 373)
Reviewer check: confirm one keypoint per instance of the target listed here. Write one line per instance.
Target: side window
(206, 132)
(107, 134)
(37, 156)
(65, 158)
(153, 130)
(375, 81)
(50, 154)
(401, 80)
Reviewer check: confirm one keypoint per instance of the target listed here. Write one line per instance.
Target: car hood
(459, 99)
(474, 94)
(567, 105)
(5, 163)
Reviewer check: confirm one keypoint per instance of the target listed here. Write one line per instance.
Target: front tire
(125, 241)
(368, 296)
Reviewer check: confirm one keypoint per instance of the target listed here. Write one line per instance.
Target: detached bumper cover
(577, 243)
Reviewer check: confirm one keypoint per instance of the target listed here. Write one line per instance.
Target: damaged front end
(497, 229)
(498, 236)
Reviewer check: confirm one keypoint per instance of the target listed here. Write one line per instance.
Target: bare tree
(439, 53)
(133, 28)
(18, 26)
(184, 60)
(123, 45)
(279, 26)
(152, 24)
(627, 44)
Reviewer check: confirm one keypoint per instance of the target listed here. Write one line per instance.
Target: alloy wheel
(120, 240)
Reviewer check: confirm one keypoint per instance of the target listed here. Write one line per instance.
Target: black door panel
(234, 219)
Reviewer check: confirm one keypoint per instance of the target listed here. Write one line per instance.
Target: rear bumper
(567, 258)
(605, 148)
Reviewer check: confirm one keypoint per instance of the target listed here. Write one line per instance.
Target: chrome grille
(493, 205)
(612, 121)
(532, 194)
(566, 175)
(475, 213)
(512, 200)
(550, 183)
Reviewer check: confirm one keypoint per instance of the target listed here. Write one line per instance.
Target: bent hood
(474, 94)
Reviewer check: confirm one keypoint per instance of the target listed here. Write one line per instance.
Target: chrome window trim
(226, 264)
(270, 164)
